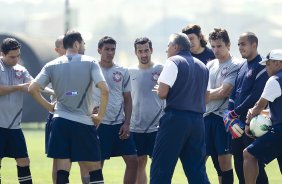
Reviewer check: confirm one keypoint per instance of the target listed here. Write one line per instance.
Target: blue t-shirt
(248, 87)
(206, 56)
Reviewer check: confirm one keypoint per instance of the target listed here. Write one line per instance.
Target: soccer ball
(259, 125)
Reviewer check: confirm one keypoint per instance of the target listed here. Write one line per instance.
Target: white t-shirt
(272, 90)
(169, 73)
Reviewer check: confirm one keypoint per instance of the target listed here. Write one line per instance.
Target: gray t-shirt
(72, 78)
(221, 73)
(11, 105)
(118, 81)
(147, 106)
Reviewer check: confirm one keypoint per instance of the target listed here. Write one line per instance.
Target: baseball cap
(275, 54)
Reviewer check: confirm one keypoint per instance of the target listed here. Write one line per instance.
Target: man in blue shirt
(248, 87)
(267, 147)
(181, 133)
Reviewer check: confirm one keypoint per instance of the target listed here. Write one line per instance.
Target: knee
(142, 161)
(22, 162)
(225, 162)
(247, 156)
(131, 161)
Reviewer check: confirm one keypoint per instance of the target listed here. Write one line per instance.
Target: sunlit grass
(41, 166)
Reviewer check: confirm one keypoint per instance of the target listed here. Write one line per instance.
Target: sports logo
(250, 72)
(224, 71)
(71, 93)
(155, 76)
(19, 74)
(117, 76)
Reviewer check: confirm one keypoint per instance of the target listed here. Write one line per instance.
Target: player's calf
(24, 175)
(62, 177)
(23, 169)
(96, 177)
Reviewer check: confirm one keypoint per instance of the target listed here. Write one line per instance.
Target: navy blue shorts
(112, 145)
(74, 141)
(218, 141)
(12, 143)
(144, 142)
(181, 135)
(268, 147)
(48, 128)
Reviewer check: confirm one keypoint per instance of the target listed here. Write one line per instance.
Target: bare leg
(84, 173)
(225, 163)
(54, 171)
(141, 171)
(91, 172)
(24, 174)
(251, 168)
(63, 164)
(130, 174)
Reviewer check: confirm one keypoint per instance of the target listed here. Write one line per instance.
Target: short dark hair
(9, 44)
(143, 40)
(252, 38)
(181, 40)
(218, 34)
(71, 37)
(106, 40)
(196, 29)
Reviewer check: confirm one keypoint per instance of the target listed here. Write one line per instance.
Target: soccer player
(73, 137)
(267, 147)
(59, 48)
(114, 132)
(200, 51)
(198, 43)
(181, 133)
(222, 75)
(14, 82)
(147, 107)
(248, 88)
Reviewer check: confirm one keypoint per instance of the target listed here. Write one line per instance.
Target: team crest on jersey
(224, 71)
(155, 76)
(18, 74)
(249, 73)
(117, 76)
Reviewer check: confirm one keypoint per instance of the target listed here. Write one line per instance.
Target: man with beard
(73, 136)
(147, 107)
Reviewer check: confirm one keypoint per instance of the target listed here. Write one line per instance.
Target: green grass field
(113, 171)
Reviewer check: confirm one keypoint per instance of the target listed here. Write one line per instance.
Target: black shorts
(112, 145)
(144, 142)
(48, 128)
(12, 143)
(74, 141)
(218, 141)
(268, 147)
